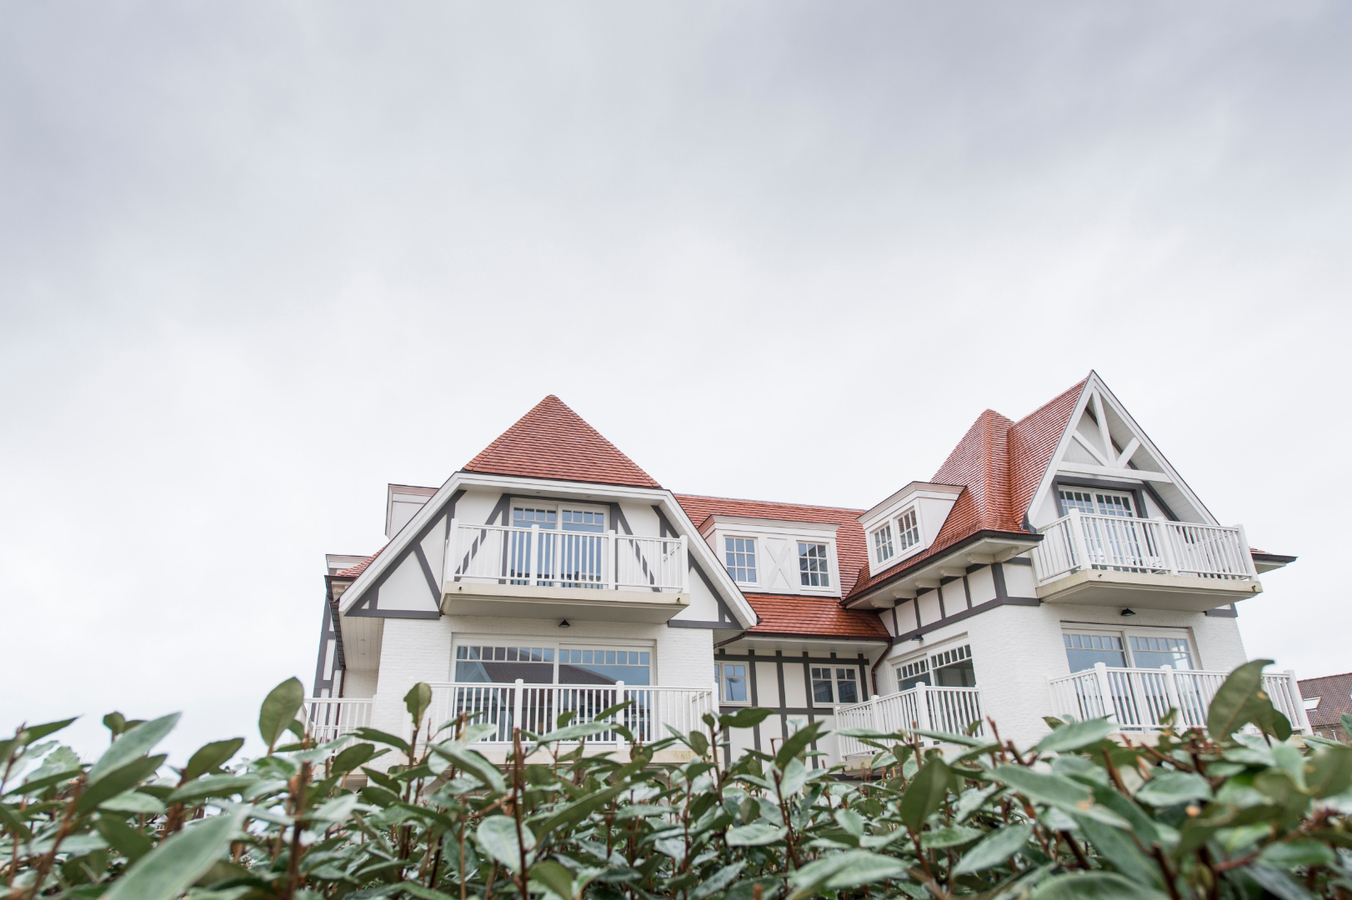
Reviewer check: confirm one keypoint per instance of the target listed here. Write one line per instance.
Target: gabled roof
(552, 441)
(791, 614)
(1032, 443)
(850, 552)
(1335, 698)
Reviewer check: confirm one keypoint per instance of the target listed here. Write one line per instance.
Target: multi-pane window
(882, 544)
(603, 666)
(584, 520)
(1121, 650)
(834, 684)
(948, 668)
(908, 530)
(1149, 652)
(741, 559)
(503, 665)
(812, 565)
(912, 673)
(1084, 650)
(1100, 503)
(732, 684)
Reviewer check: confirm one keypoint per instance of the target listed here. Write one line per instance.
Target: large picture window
(1127, 650)
(949, 667)
(498, 664)
(565, 546)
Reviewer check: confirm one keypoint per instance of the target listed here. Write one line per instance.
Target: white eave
(952, 562)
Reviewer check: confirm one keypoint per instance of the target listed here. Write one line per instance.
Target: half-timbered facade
(1057, 565)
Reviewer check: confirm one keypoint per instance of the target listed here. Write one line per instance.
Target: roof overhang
(799, 643)
(1267, 562)
(522, 601)
(911, 491)
(982, 548)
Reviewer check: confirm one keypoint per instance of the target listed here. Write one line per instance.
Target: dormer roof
(552, 441)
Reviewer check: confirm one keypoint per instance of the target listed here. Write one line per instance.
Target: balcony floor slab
(1101, 587)
(584, 604)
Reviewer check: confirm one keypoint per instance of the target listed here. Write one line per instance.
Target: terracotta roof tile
(360, 567)
(1000, 464)
(552, 441)
(1335, 698)
(850, 552)
(788, 614)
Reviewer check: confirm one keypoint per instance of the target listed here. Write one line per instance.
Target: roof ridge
(553, 441)
(768, 502)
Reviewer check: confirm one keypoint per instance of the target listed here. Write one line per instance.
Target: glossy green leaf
(718, 881)
(130, 842)
(1077, 735)
(212, 786)
(115, 782)
(1094, 886)
(1278, 883)
(351, 757)
(745, 718)
(1044, 787)
(1171, 788)
(211, 756)
(844, 872)
(135, 742)
(133, 802)
(417, 700)
(497, 835)
(757, 834)
(553, 876)
(1232, 706)
(949, 836)
(169, 869)
(1329, 771)
(995, 848)
(797, 742)
(279, 711)
(925, 793)
(376, 736)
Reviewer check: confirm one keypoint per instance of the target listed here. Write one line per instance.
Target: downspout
(873, 673)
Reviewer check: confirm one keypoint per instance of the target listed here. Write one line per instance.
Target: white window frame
(558, 506)
(825, 568)
(557, 645)
(928, 654)
(755, 549)
(877, 542)
(721, 676)
(1129, 632)
(899, 529)
(1094, 492)
(832, 666)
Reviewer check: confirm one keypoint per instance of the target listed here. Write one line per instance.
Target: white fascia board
(1062, 445)
(411, 491)
(769, 526)
(709, 561)
(1150, 447)
(984, 552)
(872, 650)
(915, 489)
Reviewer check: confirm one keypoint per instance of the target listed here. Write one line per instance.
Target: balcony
(948, 709)
(1151, 563)
(329, 718)
(536, 708)
(500, 571)
(1137, 699)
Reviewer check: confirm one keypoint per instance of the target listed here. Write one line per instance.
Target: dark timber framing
(1002, 598)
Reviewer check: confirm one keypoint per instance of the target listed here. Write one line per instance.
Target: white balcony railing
(495, 554)
(329, 718)
(948, 709)
(537, 707)
(1082, 541)
(1137, 699)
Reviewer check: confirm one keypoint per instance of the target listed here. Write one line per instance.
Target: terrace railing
(948, 709)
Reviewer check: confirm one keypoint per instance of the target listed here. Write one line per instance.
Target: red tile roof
(360, 567)
(1335, 698)
(788, 614)
(552, 441)
(850, 552)
(1000, 463)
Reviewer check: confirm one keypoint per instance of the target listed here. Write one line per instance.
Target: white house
(1057, 565)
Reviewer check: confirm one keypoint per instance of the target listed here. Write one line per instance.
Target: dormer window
(741, 559)
(813, 568)
(882, 544)
(908, 530)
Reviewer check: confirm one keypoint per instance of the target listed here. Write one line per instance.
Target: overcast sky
(259, 259)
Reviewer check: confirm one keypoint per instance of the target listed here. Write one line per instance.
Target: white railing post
(1247, 560)
(450, 564)
(1171, 691)
(619, 698)
(1105, 690)
(1078, 548)
(875, 714)
(1166, 543)
(922, 716)
(613, 563)
(517, 698)
(684, 573)
(1297, 701)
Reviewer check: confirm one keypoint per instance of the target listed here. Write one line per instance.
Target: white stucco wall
(1016, 649)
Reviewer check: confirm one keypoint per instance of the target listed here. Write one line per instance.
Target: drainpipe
(873, 673)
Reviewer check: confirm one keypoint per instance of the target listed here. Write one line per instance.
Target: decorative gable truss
(1102, 445)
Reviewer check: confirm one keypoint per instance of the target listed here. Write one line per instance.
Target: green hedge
(1241, 812)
